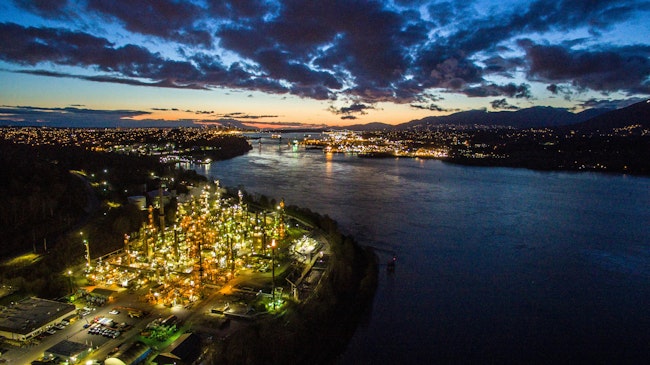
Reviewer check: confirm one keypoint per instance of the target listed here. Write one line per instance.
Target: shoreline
(485, 162)
(318, 330)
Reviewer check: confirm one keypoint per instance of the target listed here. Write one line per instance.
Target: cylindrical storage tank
(139, 201)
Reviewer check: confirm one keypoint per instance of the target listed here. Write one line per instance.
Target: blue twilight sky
(315, 62)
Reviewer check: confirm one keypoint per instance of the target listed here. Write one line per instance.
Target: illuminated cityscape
(207, 260)
(243, 182)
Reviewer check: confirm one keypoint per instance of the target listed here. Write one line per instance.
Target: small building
(184, 351)
(102, 294)
(132, 354)
(155, 198)
(140, 201)
(32, 316)
(68, 351)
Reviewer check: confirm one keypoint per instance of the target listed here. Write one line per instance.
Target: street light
(70, 281)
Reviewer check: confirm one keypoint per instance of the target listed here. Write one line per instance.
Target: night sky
(316, 62)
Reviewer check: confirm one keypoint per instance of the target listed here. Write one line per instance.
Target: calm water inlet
(495, 265)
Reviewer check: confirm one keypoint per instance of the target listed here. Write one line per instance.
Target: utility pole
(273, 272)
(161, 213)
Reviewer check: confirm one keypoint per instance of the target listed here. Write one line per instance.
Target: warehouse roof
(29, 314)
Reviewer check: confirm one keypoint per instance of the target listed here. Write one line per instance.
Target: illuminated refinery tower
(149, 236)
(161, 213)
(281, 225)
(210, 240)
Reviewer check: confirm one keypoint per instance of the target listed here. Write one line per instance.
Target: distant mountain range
(535, 117)
(366, 127)
(638, 113)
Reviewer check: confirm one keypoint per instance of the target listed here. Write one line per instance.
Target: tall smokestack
(161, 212)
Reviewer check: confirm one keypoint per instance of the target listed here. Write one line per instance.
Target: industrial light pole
(273, 272)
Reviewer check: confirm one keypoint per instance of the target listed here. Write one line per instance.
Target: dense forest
(39, 199)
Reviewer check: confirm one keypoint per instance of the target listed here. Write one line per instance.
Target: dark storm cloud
(163, 83)
(610, 103)
(162, 18)
(317, 92)
(359, 49)
(432, 107)
(621, 68)
(29, 115)
(129, 64)
(502, 104)
(29, 45)
(500, 65)
(485, 32)
(563, 90)
(446, 12)
(428, 101)
(47, 8)
(114, 80)
(237, 9)
(245, 41)
(260, 84)
(439, 67)
(511, 90)
(240, 115)
(25, 109)
(359, 37)
(278, 66)
(355, 108)
(32, 46)
(445, 63)
(81, 118)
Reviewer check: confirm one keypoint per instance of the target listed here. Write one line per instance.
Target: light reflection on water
(494, 265)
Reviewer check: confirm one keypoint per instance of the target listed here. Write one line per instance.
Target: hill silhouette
(638, 113)
(534, 117)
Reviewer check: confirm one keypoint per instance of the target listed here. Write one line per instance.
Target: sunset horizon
(283, 63)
